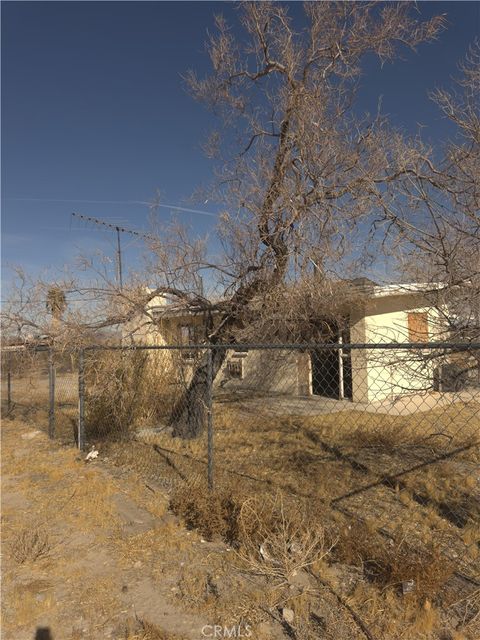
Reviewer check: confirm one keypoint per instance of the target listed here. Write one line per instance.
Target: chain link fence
(377, 432)
(40, 385)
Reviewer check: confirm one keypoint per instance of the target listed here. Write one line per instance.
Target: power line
(146, 203)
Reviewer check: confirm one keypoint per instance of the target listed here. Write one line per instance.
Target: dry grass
(140, 629)
(312, 459)
(323, 458)
(214, 514)
(316, 458)
(279, 539)
(392, 565)
(274, 536)
(27, 602)
(429, 433)
(123, 389)
(30, 545)
(62, 557)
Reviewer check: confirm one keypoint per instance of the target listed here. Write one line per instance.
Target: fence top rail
(297, 346)
(459, 346)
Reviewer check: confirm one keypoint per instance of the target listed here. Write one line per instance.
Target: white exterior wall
(379, 374)
(270, 371)
(376, 374)
(142, 331)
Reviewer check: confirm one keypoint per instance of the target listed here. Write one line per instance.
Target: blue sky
(94, 108)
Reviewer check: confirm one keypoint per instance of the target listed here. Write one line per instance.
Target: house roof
(409, 288)
(369, 288)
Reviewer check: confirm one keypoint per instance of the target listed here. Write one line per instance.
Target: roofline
(164, 311)
(372, 291)
(382, 291)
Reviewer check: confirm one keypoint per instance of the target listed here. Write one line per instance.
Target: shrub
(280, 537)
(274, 535)
(211, 513)
(392, 565)
(30, 545)
(124, 388)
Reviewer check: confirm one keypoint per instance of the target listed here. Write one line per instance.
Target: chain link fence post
(81, 400)
(51, 395)
(9, 383)
(210, 451)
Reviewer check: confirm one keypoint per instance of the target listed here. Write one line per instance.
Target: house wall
(165, 331)
(359, 356)
(269, 371)
(379, 374)
(376, 374)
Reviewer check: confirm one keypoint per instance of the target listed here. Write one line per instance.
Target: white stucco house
(387, 315)
(393, 314)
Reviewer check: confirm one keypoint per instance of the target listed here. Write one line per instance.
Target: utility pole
(118, 230)
(119, 259)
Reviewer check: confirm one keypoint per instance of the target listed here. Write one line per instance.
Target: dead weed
(139, 629)
(278, 538)
(417, 573)
(32, 543)
(213, 514)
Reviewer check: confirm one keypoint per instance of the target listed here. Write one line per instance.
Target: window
(418, 327)
(235, 369)
(189, 334)
(186, 334)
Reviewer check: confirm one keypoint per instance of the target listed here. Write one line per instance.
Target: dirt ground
(92, 550)
(87, 553)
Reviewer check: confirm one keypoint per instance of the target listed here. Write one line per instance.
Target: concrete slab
(407, 404)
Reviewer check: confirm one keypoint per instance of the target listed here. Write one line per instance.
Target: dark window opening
(235, 369)
(189, 334)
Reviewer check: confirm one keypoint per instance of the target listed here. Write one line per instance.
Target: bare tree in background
(301, 174)
(438, 218)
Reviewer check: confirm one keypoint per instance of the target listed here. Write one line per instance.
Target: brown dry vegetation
(416, 519)
(327, 515)
(418, 543)
(65, 527)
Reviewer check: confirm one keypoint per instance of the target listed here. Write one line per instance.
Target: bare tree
(438, 219)
(301, 171)
(301, 174)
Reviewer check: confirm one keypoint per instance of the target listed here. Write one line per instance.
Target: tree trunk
(190, 414)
